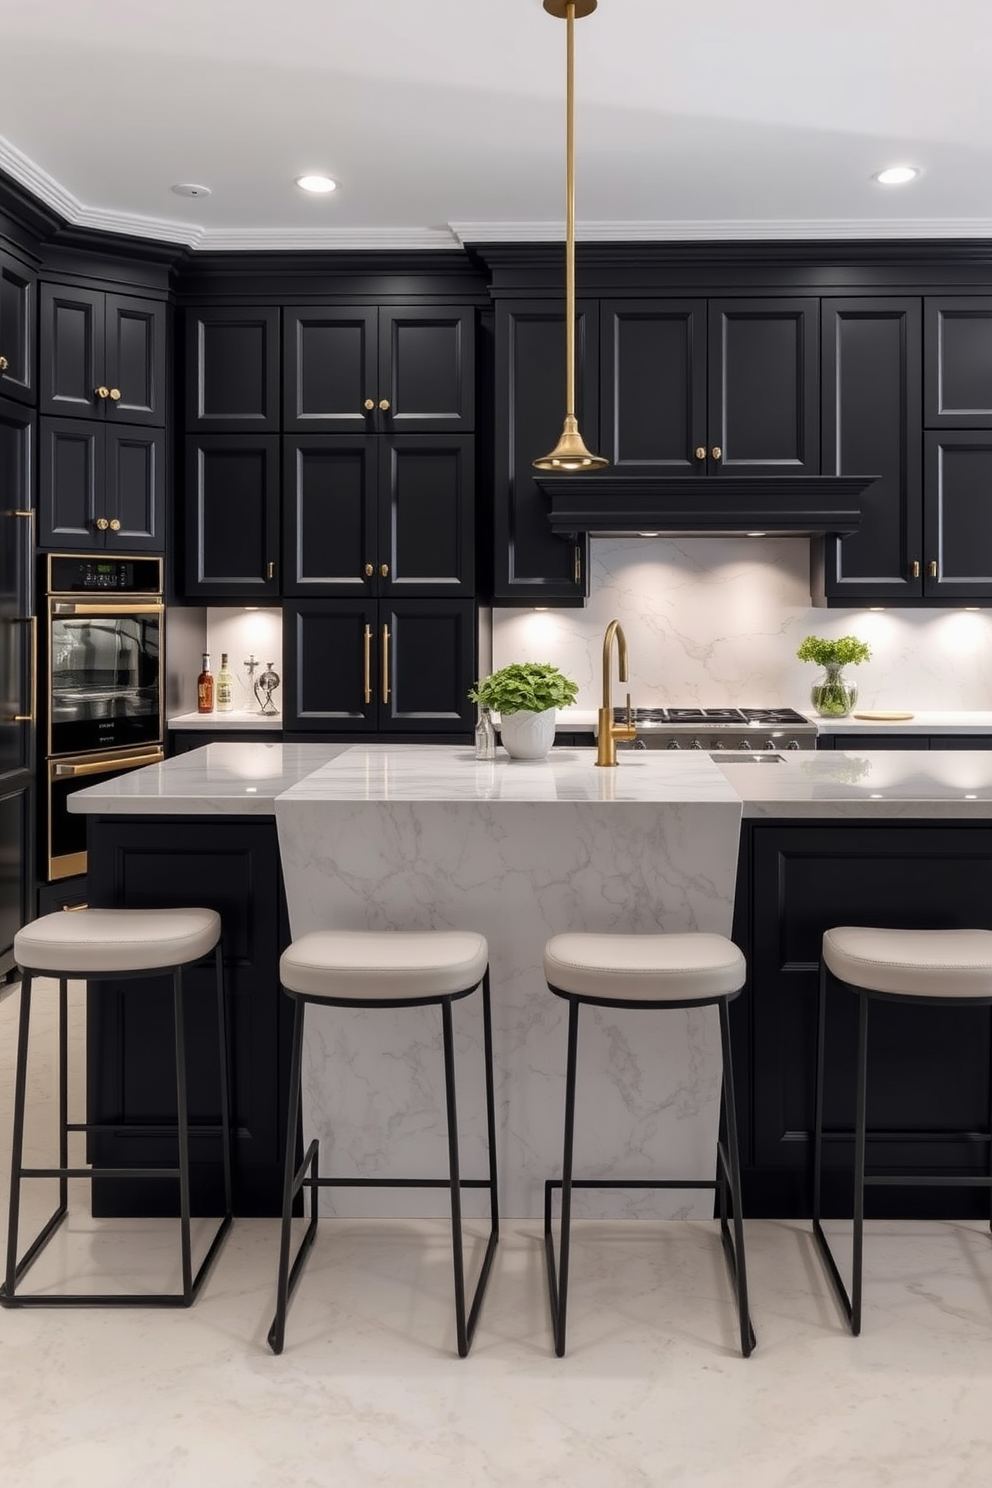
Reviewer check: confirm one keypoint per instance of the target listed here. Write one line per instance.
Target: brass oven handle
(368, 663)
(33, 693)
(100, 767)
(68, 607)
(385, 663)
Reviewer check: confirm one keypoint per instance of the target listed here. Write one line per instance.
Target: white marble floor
(652, 1392)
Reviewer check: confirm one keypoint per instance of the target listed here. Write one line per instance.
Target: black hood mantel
(607, 503)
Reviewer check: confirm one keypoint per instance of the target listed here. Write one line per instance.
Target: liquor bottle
(225, 686)
(485, 736)
(205, 687)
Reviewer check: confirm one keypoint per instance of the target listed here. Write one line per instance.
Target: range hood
(611, 504)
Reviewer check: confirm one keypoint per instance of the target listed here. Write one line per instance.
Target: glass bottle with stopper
(264, 687)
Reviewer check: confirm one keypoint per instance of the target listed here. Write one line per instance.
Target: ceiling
(443, 120)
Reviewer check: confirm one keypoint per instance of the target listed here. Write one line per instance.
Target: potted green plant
(526, 695)
(832, 695)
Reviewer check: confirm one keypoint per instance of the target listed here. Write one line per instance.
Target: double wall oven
(104, 686)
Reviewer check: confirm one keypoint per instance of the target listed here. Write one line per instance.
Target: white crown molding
(316, 239)
(716, 232)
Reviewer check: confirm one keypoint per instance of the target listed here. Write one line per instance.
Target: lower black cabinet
(360, 666)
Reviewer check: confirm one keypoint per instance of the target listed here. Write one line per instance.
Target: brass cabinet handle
(577, 566)
(270, 571)
(916, 568)
(115, 395)
(384, 404)
(932, 568)
(369, 404)
(73, 908)
(368, 663)
(384, 570)
(369, 570)
(385, 663)
(115, 525)
(102, 524)
(700, 452)
(102, 392)
(32, 620)
(717, 452)
(4, 364)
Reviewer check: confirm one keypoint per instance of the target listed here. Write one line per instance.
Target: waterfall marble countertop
(247, 778)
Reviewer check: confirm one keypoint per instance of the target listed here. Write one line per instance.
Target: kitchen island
(373, 836)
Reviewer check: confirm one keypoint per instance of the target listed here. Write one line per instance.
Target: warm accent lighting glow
(896, 175)
(320, 185)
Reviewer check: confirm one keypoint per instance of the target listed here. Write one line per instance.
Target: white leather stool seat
(680, 967)
(912, 963)
(384, 964)
(91, 941)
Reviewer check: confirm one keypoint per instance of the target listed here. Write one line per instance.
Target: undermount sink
(745, 757)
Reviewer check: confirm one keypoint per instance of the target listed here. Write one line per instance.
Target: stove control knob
(769, 744)
(719, 744)
(695, 744)
(744, 744)
(792, 744)
(673, 744)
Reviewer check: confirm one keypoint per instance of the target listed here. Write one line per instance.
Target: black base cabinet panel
(230, 865)
(928, 1067)
(859, 743)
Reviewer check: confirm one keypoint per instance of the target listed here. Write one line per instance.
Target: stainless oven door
(104, 674)
(66, 854)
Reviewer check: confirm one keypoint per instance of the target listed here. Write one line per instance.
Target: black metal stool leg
(487, 1038)
(558, 1279)
(860, 1121)
(731, 1159)
(288, 1278)
(63, 1090)
(454, 1176)
(17, 1147)
(182, 1124)
(225, 1078)
(821, 1038)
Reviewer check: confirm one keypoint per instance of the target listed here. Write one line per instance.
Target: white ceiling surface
(443, 120)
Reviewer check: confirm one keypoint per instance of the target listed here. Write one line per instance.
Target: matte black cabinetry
(360, 666)
(379, 369)
(231, 512)
(18, 676)
(855, 742)
(101, 488)
(958, 373)
(232, 366)
(102, 355)
(17, 329)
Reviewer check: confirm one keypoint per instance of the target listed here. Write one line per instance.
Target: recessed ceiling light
(189, 188)
(896, 175)
(317, 184)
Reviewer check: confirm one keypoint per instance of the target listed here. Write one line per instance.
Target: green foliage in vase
(847, 651)
(525, 687)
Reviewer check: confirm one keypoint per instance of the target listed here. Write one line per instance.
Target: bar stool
(389, 969)
(946, 968)
(117, 944)
(656, 972)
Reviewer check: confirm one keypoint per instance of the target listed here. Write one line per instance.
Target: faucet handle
(630, 718)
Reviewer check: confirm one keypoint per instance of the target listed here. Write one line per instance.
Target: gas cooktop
(718, 729)
(709, 717)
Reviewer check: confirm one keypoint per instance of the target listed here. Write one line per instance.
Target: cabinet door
(426, 515)
(957, 540)
(653, 384)
(859, 743)
(958, 363)
(330, 656)
(134, 484)
(763, 400)
(426, 370)
(232, 516)
(135, 360)
(232, 370)
(329, 515)
(71, 497)
(330, 379)
(531, 564)
(16, 862)
(72, 351)
(17, 329)
(426, 665)
(871, 426)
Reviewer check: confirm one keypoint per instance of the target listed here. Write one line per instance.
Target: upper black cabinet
(379, 369)
(957, 533)
(232, 370)
(720, 386)
(232, 517)
(958, 365)
(102, 355)
(17, 329)
(101, 488)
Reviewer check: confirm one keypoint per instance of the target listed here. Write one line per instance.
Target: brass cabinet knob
(369, 570)
(4, 364)
(700, 452)
(717, 452)
(384, 570)
(916, 568)
(115, 395)
(384, 404)
(115, 525)
(932, 568)
(102, 524)
(102, 392)
(369, 404)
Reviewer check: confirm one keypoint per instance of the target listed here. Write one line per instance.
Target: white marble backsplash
(714, 622)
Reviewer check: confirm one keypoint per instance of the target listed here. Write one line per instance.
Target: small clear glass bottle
(485, 736)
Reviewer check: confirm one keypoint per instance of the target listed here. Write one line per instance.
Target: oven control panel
(72, 575)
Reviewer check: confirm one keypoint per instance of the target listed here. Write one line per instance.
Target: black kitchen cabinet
(18, 675)
(232, 368)
(231, 514)
(855, 743)
(394, 667)
(17, 329)
(958, 363)
(379, 369)
(370, 515)
(725, 386)
(102, 355)
(531, 564)
(101, 488)
(957, 515)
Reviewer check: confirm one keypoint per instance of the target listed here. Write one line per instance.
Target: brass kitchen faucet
(609, 732)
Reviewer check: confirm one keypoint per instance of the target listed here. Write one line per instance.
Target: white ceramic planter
(528, 735)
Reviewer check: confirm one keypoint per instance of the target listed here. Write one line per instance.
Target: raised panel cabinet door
(232, 369)
(135, 360)
(763, 370)
(18, 287)
(653, 384)
(330, 376)
(71, 351)
(871, 426)
(329, 515)
(957, 345)
(231, 511)
(531, 564)
(16, 863)
(426, 514)
(18, 671)
(427, 663)
(134, 481)
(957, 529)
(331, 658)
(426, 369)
(71, 492)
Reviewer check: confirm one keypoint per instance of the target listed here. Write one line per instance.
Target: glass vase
(832, 695)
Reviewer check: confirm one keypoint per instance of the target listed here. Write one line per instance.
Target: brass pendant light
(570, 452)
